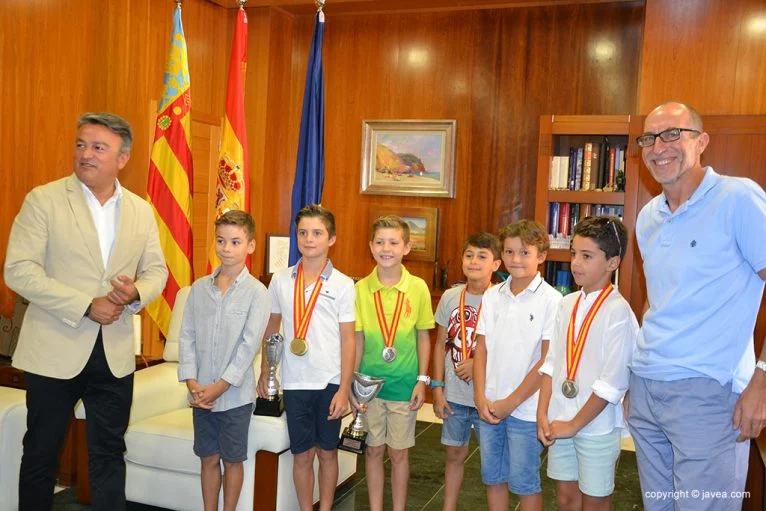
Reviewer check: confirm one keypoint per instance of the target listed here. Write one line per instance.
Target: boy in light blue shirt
(224, 321)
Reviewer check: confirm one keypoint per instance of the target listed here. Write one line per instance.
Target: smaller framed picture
(277, 252)
(424, 224)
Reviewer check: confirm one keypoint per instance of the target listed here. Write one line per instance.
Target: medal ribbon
(389, 334)
(464, 348)
(301, 311)
(574, 352)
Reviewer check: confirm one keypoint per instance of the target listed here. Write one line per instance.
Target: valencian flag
(169, 188)
(231, 191)
(309, 171)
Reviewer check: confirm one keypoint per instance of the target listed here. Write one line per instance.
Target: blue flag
(309, 170)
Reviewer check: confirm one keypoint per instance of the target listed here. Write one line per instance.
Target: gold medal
(299, 346)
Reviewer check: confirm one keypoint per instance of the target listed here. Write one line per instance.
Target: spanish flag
(170, 180)
(232, 184)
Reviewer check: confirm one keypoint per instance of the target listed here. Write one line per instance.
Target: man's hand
(123, 290)
(442, 409)
(338, 405)
(750, 411)
(561, 429)
(104, 311)
(418, 396)
(464, 370)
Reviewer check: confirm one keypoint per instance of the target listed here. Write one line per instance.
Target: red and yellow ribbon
(574, 351)
(389, 333)
(301, 311)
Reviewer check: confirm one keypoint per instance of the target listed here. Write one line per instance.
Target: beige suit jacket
(54, 261)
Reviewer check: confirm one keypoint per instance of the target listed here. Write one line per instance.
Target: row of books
(563, 216)
(596, 166)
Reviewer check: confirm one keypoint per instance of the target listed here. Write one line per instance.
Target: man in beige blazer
(85, 252)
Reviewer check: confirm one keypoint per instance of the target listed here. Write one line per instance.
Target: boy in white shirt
(585, 373)
(512, 340)
(314, 303)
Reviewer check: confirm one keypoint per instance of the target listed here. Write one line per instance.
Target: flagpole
(242, 4)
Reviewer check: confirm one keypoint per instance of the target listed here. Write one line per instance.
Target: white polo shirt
(335, 305)
(514, 328)
(603, 368)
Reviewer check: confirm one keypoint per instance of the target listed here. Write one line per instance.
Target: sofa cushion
(166, 441)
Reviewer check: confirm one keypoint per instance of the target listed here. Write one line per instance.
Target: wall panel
(63, 57)
(495, 71)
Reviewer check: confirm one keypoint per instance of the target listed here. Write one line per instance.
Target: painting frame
(420, 161)
(277, 253)
(425, 245)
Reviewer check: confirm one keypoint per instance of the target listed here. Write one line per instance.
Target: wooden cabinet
(558, 135)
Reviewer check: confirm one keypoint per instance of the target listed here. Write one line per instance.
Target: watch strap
(761, 364)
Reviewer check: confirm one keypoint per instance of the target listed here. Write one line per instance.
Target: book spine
(587, 163)
(578, 169)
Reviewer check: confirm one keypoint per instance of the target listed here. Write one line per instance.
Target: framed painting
(409, 157)
(277, 252)
(424, 224)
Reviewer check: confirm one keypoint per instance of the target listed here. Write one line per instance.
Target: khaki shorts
(390, 423)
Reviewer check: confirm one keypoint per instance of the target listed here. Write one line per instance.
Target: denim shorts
(510, 454)
(456, 429)
(307, 423)
(589, 460)
(223, 433)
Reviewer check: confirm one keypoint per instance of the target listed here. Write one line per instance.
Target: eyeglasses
(669, 135)
(617, 237)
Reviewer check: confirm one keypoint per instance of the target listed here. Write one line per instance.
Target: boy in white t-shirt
(456, 316)
(585, 374)
(512, 339)
(314, 303)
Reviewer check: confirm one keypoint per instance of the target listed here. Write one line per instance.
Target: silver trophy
(364, 388)
(272, 405)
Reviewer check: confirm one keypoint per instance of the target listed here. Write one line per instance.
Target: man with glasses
(696, 393)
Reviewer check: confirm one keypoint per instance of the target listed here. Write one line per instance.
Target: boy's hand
(442, 408)
(503, 408)
(338, 405)
(210, 393)
(418, 396)
(544, 431)
(486, 411)
(262, 389)
(195, 390)
(562, 429)
(464, 370)
(355, 405)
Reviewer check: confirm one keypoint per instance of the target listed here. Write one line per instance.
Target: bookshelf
(564, 194)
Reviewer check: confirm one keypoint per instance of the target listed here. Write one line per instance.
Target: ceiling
(300, 7)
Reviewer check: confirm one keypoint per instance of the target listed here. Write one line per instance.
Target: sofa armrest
(156, 390)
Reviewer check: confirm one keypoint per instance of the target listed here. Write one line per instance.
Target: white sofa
(13, 425)
(161, 468)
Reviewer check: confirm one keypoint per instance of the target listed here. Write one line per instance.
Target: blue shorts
(222, 433)
(456, 429)
(307, 423)
(510, 454)
(589, 460)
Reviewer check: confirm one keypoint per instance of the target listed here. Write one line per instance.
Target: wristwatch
(436, 384)
(761, 364)
(425, 379)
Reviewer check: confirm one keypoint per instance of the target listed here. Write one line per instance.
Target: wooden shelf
(559, 255)
(589, 197)
(590, 125)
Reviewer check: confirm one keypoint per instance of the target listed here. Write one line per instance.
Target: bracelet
(435, 384)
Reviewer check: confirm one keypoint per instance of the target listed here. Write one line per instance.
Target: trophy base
(273, 408)
(351, 443)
